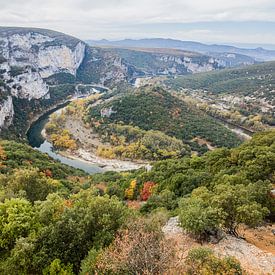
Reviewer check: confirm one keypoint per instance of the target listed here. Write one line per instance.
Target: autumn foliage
(130, 191)
(63, 140)
(3, 155)
(147, 190)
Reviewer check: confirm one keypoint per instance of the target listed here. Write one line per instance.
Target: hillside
(152, 108)
(244, 96)
(167, 61)
(55, 218)
(257, 81)
(228, 188)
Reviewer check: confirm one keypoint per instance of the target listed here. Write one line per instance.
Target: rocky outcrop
(6, 112)
(185, 64)
(253, 260)
(55, 59)
(28, 57)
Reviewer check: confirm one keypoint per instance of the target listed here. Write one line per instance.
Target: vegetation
(117, 141)
(128, 142)
(155, 109)
(254, 80)
(139, 249)
(61, 78)
(219, 190)
(26, 110)
(49, 218)
(202, 261)
(21, 156)
(54, 218)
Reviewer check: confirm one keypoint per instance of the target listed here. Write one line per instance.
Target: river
(37, 141)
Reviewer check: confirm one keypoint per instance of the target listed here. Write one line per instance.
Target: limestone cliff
(6, 112)
(29, 55)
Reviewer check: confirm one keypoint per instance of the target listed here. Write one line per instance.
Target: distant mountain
(258, 54)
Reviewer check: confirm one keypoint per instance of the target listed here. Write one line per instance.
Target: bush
(166, 199)
(202, 261)
(139, 249)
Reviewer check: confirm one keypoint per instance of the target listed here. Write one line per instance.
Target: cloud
(128, 18)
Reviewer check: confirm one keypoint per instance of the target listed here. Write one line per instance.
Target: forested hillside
(220, 189)
(256, 81)
(152, 108)
(56, 219)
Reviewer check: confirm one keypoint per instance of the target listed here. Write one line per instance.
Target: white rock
(39, 61)
(6, 112)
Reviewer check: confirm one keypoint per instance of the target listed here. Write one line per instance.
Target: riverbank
(88, 143)
(106, 164)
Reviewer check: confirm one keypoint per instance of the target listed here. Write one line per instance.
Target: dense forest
(57, 220)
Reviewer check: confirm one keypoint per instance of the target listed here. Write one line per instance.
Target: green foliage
(197, 216)
(152, 108)
(56, 267)
(128, 142)
(90, 222)
(166, 199)
(20, 155)
(61, 78)
(202, 261)
(30, 183)
(17, 219)
(55, 235)
(227, 205)
(88, 264)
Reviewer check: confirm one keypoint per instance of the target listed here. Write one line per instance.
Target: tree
(165, 199)
(226, 206)
(3, 155)
(197, 216)
(56, 267)
(17, 219)
(33, 183)
(130, 191)
(239, 205)
(147, 190)
(90, 222)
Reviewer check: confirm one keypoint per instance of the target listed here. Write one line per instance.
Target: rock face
(29, 56)
(6, 112)
(185, 64)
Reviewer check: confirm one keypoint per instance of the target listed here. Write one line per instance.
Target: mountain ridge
(260, 54)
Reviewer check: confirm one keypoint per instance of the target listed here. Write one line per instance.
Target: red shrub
(147, 190)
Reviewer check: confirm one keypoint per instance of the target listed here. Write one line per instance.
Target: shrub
(202, 261)
(139, 249)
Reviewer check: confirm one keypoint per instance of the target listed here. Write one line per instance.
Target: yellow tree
(129, 192)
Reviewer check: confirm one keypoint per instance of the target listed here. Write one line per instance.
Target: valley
(135, 157)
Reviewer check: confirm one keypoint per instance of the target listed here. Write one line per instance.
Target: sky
(208, 21)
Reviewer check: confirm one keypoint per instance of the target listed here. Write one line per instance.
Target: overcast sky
(221, 21)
